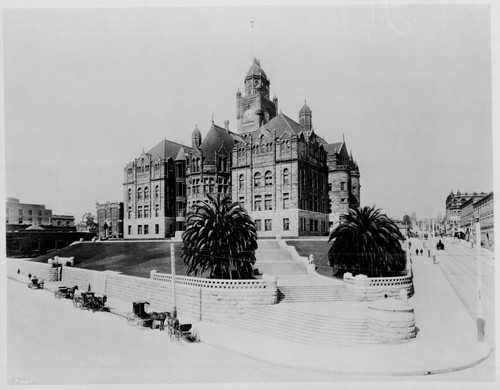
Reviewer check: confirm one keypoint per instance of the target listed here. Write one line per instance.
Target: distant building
(454, 202)
(63, 220)
(18, 213)
(32, 229)
(110, 219)
(484, 210)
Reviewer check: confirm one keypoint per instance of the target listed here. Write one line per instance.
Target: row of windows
(144, 229)
(222, 164)
(313, 225)
(143, 211)
(140, 193)
(268, 179)
(268, 201)
(30, 212)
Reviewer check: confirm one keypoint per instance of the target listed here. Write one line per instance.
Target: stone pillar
(391, 320)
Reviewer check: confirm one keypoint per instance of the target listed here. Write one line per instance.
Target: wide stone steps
(282, 268)
(304, 327)
(328, 293)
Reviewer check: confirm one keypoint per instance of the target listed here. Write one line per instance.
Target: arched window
(286, 176)
(129, 194)
(146, 192)
(269, 178)
(242, 182)
(157, 191)
(139, 193)
(256, 179)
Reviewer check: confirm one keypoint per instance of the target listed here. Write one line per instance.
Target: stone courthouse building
(290, 180)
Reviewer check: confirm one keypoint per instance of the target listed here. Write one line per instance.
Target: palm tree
(366, 242)
(220, 238)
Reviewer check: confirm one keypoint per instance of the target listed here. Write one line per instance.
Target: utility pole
(481, 322)
(172, 267)
(433, 243)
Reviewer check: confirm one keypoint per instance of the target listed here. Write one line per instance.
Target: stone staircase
(273, 260)
(306, 328)
(314, 293)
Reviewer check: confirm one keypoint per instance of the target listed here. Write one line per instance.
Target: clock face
(256, 83)
(249, 113)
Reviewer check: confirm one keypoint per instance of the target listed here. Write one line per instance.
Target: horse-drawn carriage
(88, 300)
(143, 319)
(179, 332)
(65, 292)
(35, 283)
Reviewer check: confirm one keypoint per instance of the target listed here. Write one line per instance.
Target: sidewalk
(446, 339)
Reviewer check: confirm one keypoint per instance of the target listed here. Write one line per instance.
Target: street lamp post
(433, 243)
(481, 322)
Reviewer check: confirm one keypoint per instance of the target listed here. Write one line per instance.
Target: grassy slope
(130, 258)
(319, 250)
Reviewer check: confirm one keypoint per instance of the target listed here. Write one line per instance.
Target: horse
(159, 319)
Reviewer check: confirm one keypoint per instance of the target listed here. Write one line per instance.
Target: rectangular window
(157, 229)
(146, 229)
(268, 226)
(268, 202)
(258, 226)
(20, 220)
(286, 224)
(316, 225)
(30, 212)
(157, 210)
(39, 213)
(342, 185)
(329, 186)
(286, 201)
(242, 200)
(139, 211)
(20, 211)
(139, 229)
(258, 203)
(146, 211)
(311, 223)
(129, 212)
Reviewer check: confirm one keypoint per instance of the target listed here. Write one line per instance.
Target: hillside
(319, 249)
(130, 258)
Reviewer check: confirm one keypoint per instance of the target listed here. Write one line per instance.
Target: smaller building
(484, 210)
(63, 220)
(18, 213)
(110, 219)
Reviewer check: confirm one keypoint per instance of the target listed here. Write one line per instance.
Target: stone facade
(110, 219)
(290, 180)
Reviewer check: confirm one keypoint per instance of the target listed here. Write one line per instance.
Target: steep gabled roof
(216, 138)
(333, 148)
(166, 149)
(281, 123)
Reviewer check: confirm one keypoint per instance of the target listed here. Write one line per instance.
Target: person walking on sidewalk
(416, 251)
(421, 252)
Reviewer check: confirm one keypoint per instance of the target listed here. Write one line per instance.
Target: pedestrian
(416, 251)
(421, 252)
(409, 244)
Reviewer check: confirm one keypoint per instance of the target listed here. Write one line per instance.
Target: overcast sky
(409, 87)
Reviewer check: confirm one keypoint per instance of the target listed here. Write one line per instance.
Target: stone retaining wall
(371, 289)
(41, 270)
(195, 297)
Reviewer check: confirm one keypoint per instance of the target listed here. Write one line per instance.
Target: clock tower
(255, 108)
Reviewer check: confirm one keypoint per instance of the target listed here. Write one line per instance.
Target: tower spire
(251, 26)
